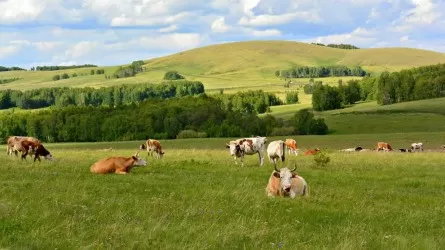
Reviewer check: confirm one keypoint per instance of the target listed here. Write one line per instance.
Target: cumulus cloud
(219, 25)
(270, 20)
(17, 11)
(8, 50)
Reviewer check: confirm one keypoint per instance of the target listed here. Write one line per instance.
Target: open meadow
(197, 198)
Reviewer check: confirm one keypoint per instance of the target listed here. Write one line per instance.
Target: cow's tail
(283, 151)
(306, 190)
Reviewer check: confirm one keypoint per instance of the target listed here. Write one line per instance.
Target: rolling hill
(238, 65)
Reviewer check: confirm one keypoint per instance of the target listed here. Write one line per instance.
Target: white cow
(416, 146)
(247, 146)
(356, 149)
(276, 150)
(286, 182)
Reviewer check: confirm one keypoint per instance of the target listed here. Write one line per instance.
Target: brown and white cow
(13, 143)
(247, 146)
(286, 183)
(312, 151)
(276, 150)
(292, 147)
(117, 164)
(383, 146)
(153, 146)
(416, 146)
(34, 148)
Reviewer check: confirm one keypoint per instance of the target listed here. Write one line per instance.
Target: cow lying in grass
(285, 182)
(117, 164)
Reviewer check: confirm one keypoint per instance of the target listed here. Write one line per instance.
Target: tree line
(8, 80)
(52, 67)
(66, 75)
(105, 96)
(320, 71)
(251, 102)
(201, 116)
(338, 46)
(325, 97)
(3, 68)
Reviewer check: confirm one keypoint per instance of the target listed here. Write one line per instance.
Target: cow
(117, 164)
(13, 140)
(247, 146)
(153, 146)
(276, 150)
(32, 147)
(312, 151)
(286, 183)
(416, 146)
(292, 147)
(383, 146)
(356, 149)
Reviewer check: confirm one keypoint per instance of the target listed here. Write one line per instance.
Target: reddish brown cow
(153, 146)
(26, 146)
(312, 151)
(383, 146)
(118, 165)
(291, 145)
(13, 143)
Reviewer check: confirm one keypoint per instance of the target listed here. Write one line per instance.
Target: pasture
(196, 198)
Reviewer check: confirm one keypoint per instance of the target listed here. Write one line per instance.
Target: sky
(113, 32)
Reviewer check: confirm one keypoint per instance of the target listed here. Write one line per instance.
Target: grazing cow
(276, 150)
(383, 146)
(286, 182)
(247, 146)
(32, 147)
(292, 147)
(13, 140)
(117, 164)
(417, 146)
(153, 146)
(312, 151)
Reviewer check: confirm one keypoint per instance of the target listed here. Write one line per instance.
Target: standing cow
(118, 165)
(13, 143)
(153, 146)
(286, 183)
(416, 146)
(383, 146)
(276, 150)
(292, 147)
(247, 146)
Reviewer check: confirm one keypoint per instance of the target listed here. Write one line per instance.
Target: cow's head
(142, 147)
(138, 161)
(41, 150)
(285, 175)
(234, 148)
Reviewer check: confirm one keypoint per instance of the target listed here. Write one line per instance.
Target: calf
(153, 146)
(286, 183)
(292, 147)
(383, 146)
(312, 151)
(276, 150)
(118, 165)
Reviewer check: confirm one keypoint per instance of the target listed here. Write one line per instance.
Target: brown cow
(292, 147)
(383, 146)
(117, 164)
(285, 182)
(153, 146)
(13, 140)
(26, 147)
(312, 151)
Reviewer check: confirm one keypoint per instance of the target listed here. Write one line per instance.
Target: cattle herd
(282, 182)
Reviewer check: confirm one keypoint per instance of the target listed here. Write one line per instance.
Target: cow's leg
(260, 155)
(118, 171)
(24, 155)
(242, 160)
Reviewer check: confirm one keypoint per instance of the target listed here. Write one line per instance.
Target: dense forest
(51, 68)
(320, 71)
(338, 46)
(160, 119)
(252, 102)
(109, 96)
(3, 68)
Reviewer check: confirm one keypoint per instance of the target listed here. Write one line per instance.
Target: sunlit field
(197, 198)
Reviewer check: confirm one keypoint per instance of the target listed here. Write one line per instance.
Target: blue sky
(112, 32)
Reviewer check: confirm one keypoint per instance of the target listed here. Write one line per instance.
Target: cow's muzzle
(287, 189)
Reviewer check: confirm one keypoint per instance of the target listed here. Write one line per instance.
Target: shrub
(65, 76)
(321, 159)
(56, 78)
(173, 75)
(292, 97)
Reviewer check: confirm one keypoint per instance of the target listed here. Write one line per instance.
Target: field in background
(196, 198)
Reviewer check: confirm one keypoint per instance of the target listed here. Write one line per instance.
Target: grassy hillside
(363, 118)
(235, 66)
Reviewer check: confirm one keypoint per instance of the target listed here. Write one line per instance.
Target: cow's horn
(275, 166)
(295, 167)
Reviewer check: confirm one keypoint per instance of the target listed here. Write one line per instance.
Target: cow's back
(299, 185)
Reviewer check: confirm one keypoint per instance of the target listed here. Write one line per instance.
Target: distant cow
(276, 150)
(312, 151)
(117, 164)
(383, 146)
(292, 147)
(403, 150)
(153, 146)
(286, 182)
(417, 146)
(36, 148)
(247, 146)
(12, 145)
(356, 149)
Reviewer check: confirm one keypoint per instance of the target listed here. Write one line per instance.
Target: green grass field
(196, 198)
(236, 66)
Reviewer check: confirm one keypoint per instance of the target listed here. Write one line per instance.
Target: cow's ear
(276, 174)
(294, 175)
(227, 145)
(134, 158)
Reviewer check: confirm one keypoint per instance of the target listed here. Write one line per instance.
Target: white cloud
(168, 29)
(6, 51)
(404, 39)
(269, 20)
(267, 32)
(219, 25)
(82, 48)
(424, 12)
(17, 11)
(359, 36)
(123, 20)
